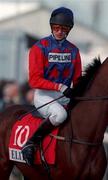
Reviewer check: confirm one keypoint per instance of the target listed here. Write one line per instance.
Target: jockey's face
(60, 32)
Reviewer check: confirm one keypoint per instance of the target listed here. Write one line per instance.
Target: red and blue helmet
(62, 16)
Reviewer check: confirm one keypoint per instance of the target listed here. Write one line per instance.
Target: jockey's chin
(60, 37)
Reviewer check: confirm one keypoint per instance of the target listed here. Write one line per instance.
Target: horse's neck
(89, 118)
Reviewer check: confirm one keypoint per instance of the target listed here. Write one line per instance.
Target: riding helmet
(62, 16)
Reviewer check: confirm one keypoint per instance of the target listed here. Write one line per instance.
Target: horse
(80, 153)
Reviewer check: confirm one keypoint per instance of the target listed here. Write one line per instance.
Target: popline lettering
(59, 57)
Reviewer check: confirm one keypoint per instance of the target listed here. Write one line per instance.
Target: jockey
(54, 68)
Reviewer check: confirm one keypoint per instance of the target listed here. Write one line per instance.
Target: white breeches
(55, 110)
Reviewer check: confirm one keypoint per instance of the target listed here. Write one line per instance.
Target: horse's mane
(87, 77)
(85, 81)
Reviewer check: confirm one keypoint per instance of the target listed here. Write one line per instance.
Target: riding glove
(66, 91)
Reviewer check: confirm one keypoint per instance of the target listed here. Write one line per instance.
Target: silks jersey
(52, 63)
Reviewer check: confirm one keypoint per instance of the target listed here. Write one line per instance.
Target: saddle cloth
(22, 130)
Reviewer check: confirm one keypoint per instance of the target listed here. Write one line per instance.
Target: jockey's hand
(68, 92)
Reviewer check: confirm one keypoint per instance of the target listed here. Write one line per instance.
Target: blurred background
(23, 22)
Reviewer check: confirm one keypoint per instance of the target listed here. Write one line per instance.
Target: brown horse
(80, 155)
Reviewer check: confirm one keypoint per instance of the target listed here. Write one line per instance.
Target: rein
(87, 98)
(77, 98)
(90, 98)
(76, 141)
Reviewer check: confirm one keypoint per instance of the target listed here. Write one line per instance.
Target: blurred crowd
(11, 92)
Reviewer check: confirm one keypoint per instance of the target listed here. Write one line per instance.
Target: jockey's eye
(59, 27)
